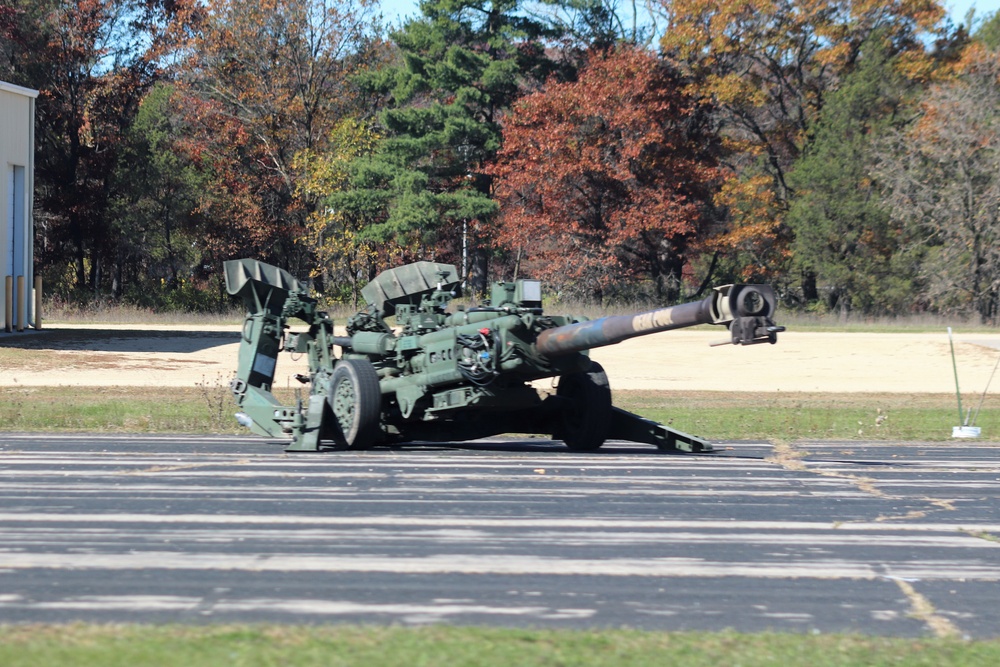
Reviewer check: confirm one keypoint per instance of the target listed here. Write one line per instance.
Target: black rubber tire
(586, 419)
(356, 402)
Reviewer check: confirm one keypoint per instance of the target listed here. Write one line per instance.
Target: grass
(819, 416)
(82, 645)
(208, 408)
(60, 312)
(205, 408)
(802, 321)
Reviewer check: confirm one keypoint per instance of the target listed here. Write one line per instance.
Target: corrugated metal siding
(14, 127)
(16, 149)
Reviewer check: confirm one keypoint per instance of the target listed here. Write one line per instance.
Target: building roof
(11, 88)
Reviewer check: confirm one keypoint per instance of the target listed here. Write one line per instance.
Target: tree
(335, 237)
(580, 25)
(154, 206)
(943, 177)
(461, 65)
(770, 63)
(265, 81)
(988, 32)
(607, 178)
(92, 61)
(843, 231)
(769, 66)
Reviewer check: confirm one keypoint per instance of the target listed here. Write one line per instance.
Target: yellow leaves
(733, 89)
(324, 170)
(709, 32)
(752, 199)
(923, 14)
(752, 53)
(915, 66)
(735, 145)
(756, 225)
(329, 237)
(768, 65)
(332, 236)
(834, 56)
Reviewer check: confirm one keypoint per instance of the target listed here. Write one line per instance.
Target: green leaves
(459, 71)
(843, 233)
(943, 183)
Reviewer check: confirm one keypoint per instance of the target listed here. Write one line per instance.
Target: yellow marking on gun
(653, 320)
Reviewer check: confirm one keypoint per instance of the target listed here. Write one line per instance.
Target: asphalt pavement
(883, 539)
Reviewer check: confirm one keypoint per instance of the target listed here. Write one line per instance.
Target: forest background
(847, 151)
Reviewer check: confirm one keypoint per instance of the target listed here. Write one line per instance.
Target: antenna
(963, 430)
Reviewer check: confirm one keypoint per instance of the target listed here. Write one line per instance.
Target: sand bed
(134, 355)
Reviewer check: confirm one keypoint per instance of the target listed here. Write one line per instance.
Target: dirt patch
(895, 363)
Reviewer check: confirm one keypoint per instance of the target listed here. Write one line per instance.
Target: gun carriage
(461, 375)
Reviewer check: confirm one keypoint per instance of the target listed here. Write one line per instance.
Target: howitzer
(446, 376)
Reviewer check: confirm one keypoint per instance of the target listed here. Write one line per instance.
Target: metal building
(17, 162)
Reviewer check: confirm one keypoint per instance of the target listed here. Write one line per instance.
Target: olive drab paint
(446, 375)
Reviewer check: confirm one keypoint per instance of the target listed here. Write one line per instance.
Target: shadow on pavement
(119, 340)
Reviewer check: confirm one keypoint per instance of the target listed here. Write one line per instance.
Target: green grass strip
(81, 645)
(206, 409)
(812, 416)
(209, 408)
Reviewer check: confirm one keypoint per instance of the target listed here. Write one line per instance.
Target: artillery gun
(462, 375)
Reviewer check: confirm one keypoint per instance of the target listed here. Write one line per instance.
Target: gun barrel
(749, 305)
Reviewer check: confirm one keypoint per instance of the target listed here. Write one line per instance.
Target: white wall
(17, 167)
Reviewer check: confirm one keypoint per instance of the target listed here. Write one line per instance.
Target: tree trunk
(95, 275)
(809, 291)
(478, 277)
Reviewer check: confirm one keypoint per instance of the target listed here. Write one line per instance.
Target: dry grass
(113, 313)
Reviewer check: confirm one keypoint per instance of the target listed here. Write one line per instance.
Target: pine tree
(988, 32)
(843, 232)
(462, 64)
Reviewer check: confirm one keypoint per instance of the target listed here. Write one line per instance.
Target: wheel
(356, 402)
(586, 416)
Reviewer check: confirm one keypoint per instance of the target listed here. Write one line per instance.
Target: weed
(217, 399)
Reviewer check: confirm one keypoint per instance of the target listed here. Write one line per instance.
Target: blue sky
(957, 9)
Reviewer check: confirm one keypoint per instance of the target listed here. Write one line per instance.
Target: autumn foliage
(942, 178)
(606, 178)
(266, 82)
(695, 142)
(92, 61)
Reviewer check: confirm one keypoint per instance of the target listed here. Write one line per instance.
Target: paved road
(893, 540)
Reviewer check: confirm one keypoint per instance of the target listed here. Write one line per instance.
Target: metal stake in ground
(958, 394)
(983, 397)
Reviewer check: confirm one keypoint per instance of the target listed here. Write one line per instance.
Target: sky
(957, 9)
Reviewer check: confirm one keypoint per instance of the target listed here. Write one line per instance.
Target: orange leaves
(755, 230)
(266, 82)
(943, 180)
(770, 62)
(964, 102)
(977, 59)
(281, 66)
(610, 170)
(770, 66)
